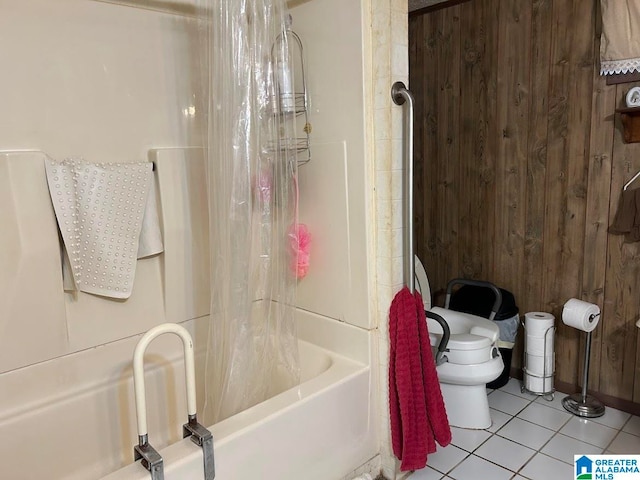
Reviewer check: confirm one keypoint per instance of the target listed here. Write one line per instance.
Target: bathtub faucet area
(199, 435)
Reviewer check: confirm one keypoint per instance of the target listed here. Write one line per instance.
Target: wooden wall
(520, 164)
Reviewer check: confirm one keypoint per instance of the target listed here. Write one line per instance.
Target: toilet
(472, 360)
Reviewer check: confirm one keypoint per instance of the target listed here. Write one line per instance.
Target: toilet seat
(472, 339)
(465, 323)
(468, 349)
(468, 341)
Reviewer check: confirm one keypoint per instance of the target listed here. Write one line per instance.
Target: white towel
(100, 210)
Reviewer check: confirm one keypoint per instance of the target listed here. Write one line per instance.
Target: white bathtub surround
(84, 73)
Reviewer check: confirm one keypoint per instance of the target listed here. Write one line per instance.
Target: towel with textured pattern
(417, 414)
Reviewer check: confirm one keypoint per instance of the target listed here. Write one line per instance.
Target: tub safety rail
(150, 458)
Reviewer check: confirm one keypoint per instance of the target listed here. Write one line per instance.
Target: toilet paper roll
(633, 97)
(537, 323)
(540, 365)
(581, 315)
(538, 384)
(536, 345)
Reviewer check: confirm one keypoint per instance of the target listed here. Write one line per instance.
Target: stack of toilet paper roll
(539, 351)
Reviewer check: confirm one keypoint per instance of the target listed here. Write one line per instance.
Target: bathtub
(73, 418)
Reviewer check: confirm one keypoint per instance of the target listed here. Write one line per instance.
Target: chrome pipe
(401, 95)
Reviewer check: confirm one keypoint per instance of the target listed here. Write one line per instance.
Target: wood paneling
(520, 164)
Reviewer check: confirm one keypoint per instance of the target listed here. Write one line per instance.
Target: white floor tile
(632, 426)
(498, 419)
(564, 448)
(613, 418)
(555, 403)
(426, 474)
(518, 477)
(504, 452)
(544, 416)
(507, 403)
(525, 433)
(476, 468)
(514, 388)
(542, 467)
(625, 443)
(468, 440)
(589, 431)
(446, 458)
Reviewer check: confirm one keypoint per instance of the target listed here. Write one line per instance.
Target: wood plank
(477, 148)
(487, 176)
(555, 189)
(448, 161)
(416, 66)
(513, 125)
(531, 298)
(598, 199)
(582, 59)
(422, 78)
(566, 189)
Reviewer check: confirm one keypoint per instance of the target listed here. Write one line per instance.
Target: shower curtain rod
(175, 7)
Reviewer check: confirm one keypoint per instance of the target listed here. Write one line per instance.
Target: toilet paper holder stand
(581, 404)
(548, 395)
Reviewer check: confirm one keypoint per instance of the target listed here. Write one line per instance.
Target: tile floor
(531, 438)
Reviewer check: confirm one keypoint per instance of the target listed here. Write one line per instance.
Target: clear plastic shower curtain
(252, 349)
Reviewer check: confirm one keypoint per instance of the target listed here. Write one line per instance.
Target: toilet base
(467, 405)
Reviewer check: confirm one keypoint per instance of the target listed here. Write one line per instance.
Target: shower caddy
(290, 103)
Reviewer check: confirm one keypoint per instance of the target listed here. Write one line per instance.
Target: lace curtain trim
(627, 65)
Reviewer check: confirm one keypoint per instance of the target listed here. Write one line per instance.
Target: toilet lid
(468, 341)
(422, 283)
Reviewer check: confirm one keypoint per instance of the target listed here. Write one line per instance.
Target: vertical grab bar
(151, 459)
(400, 95)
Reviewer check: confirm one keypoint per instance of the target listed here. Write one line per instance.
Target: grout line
(613, 439)
(497, 464)
(626, 423)
(538, 451)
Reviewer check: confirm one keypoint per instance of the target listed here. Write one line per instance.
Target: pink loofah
(300, 244)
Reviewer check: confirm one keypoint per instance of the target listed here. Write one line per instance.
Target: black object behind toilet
(479, 300)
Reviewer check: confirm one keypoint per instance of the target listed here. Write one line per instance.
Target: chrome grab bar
(401, 95)
(151, 459)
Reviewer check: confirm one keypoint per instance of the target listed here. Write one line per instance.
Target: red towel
(417, 412)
